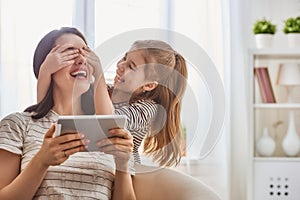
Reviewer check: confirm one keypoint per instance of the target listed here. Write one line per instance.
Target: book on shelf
(265, 84)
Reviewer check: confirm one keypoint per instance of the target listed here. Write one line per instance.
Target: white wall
(277, 11)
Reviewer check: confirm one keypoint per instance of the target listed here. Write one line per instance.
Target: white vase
(265, 146)
(291, 141)
(264, 40)
(293, 40)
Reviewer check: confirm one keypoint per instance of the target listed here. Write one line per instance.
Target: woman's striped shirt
(85, 175)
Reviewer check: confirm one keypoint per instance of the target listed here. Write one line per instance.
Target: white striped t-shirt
(85, 175)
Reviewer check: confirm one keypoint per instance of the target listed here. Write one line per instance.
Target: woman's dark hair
(39, 110)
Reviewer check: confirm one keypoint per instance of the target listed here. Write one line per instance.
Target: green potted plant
(264, 31)
(292, 29)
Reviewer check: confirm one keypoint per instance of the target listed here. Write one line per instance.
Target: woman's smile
(80, 73)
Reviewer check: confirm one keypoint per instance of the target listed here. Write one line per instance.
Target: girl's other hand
(58, 58)
(93, 62)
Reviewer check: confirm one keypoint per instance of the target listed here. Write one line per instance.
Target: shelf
(263, 171)
(277, 105)
(276, 52)
(277, 159)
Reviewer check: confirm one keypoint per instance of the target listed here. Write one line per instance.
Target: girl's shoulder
(144, 102)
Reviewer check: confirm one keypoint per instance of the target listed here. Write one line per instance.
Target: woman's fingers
(69, 137)
(120, 133)
(117, 141)
(116, 148)
(120, 145)
(69, 152)
(50, 132)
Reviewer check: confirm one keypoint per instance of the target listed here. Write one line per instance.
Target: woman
(40, 166)
(148, 88)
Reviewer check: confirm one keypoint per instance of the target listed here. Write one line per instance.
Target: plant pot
(264, 40)
(293, 40)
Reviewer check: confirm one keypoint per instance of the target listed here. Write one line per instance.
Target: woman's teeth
(81, 73)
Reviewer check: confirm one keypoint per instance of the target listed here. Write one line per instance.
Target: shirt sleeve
(12, 130)
(138, 114)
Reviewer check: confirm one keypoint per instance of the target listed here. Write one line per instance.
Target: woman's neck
(67, 104)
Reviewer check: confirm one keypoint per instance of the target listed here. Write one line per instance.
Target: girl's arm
(23, 185)
(103, 104)
(58, 58)
(121, 147)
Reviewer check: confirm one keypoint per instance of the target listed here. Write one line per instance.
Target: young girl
(148, 88)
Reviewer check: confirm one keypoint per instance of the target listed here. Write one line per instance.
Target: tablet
(94, 127)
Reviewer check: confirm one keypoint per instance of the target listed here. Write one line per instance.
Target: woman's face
(76, 77)
(130, 74)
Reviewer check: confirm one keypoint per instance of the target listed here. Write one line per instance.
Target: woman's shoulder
(15, 122)
(17, 117)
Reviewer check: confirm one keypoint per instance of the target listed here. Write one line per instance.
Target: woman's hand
(120, 146)
(56, 150)
(58, 58)
(94, 62)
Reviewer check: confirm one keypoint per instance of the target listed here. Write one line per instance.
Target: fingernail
(82, 135)
(112, 131)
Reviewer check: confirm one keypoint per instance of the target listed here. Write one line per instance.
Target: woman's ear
(150, 86)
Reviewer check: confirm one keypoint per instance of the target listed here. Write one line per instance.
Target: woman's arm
(19, 186)
(121, 147)
(103, 104)
(58, 58)
(123, 187)
(15, 185)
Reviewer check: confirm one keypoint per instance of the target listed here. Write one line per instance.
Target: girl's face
(76, 77)
(130, 74)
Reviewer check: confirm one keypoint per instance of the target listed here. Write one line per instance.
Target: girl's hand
(56, 150)
(93, 61)
(58, 58)
(120, 146)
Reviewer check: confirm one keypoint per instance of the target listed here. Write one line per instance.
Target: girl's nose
(121, 67)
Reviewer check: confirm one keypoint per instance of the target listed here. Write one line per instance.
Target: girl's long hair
(168, 68)
(40, 109)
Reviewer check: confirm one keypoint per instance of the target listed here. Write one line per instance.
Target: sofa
(154, 183)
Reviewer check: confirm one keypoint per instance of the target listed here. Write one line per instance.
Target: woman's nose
(80, 60)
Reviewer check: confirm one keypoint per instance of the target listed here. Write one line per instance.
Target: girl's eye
(130, 67)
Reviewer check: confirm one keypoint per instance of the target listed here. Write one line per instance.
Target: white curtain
(23, 24)
(205, 22)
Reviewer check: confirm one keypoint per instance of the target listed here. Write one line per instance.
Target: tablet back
(94, 127)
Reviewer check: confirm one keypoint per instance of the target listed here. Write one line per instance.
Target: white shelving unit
(276, 177)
